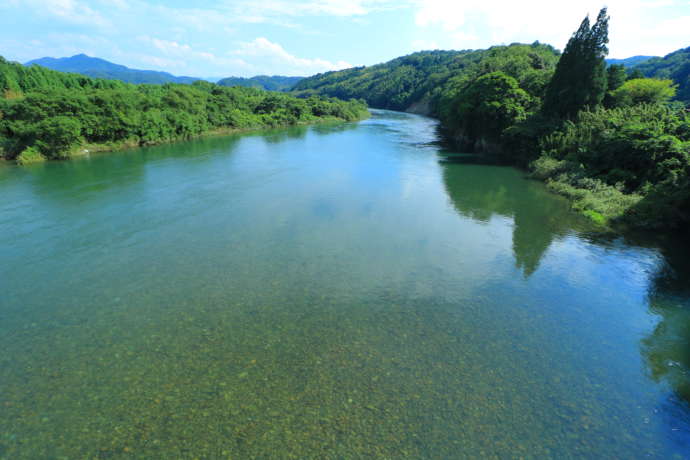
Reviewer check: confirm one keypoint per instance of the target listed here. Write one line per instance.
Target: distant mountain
(100, 68)
(272, 83)
(631, 61)
(675, 66)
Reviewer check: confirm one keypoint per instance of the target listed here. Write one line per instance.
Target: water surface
(338, 291)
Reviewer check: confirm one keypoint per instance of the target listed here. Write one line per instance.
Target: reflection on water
(480, 193)
(337, 291)
(667, 348)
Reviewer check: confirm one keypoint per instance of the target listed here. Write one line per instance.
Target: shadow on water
(480, 192)
(332, 128)
(666, 349)
(282, 134)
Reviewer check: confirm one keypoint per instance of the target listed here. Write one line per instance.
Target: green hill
(269, 83)
(415, 82)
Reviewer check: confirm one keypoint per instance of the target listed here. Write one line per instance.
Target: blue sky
(301, 37)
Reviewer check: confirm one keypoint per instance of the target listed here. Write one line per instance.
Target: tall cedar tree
(580, 78)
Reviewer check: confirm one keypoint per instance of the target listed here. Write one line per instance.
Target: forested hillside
(419, 81)
(675, 66)
(269, 83)
(16, 79)
(49, 114)
(100, 68)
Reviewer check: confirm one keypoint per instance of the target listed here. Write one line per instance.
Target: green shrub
(644, 91)
(30, 155)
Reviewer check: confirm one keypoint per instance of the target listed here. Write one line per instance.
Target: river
(348, 290)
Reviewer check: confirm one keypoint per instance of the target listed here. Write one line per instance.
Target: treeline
(49, 115)
(615, 142)
(269, 83)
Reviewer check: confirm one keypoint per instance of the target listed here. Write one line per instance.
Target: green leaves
(644, 91)
(580, 79)
(433, 76)
(489, 105)
(56, 136)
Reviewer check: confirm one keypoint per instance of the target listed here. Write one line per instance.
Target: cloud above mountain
(292, 37)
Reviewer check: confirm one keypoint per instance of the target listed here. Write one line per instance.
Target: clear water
(338, 291)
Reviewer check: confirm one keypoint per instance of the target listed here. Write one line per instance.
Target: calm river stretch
(336, 291)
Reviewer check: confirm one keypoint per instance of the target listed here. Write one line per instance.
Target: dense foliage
(425, 81)
(631, 163)
(580, 79)
(272, 83)
(643, 91)
(53, 113)
(675, 66)
(487, 106)
(100, 68)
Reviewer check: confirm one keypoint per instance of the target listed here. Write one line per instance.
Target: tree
(580, 79)
(635, 74)
(616, 76)
(644, 91)
(489, 105)
(57, 136)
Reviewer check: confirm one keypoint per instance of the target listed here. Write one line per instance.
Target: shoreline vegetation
(127, 144)
(49, 115)
(611, 140)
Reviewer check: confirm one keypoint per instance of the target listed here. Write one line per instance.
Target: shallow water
(337, 291)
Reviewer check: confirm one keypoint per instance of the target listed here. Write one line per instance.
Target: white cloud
(158, 62)
(273, 55)
(481, 23)
(182, 56)
(71, 11)
(252, 8)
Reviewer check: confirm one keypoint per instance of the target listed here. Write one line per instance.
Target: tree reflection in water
(539, 217)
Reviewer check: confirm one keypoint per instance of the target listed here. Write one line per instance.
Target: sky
(220, 38)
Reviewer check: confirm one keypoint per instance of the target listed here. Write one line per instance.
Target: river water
(337, 291)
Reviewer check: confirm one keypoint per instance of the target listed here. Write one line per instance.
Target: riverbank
(621, 167)
(86, 149)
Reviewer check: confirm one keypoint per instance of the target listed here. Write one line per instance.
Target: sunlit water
(338, 291)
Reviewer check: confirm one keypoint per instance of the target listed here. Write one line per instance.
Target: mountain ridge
(631, 61)
(100, 68)
(95, 67)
